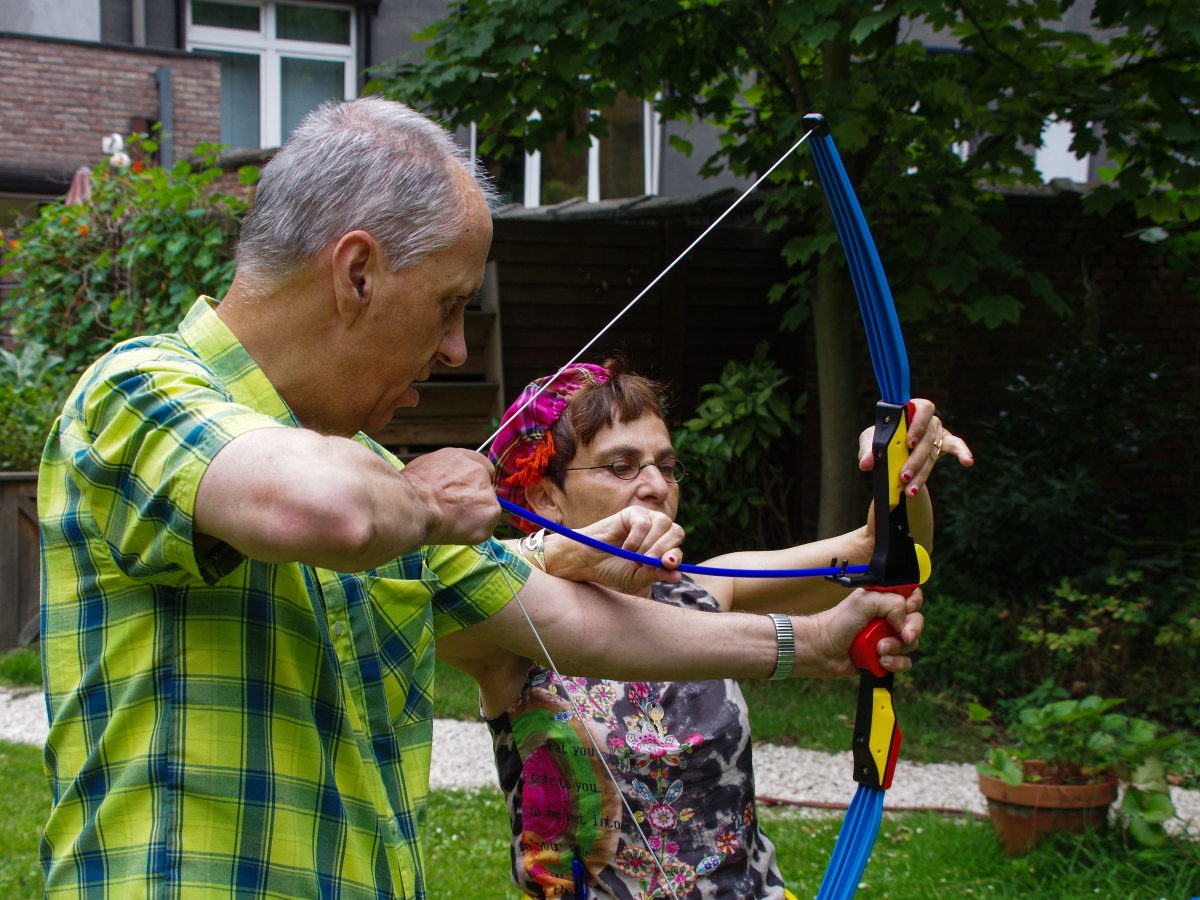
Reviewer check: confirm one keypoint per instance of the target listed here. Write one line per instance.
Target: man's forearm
(291, 495)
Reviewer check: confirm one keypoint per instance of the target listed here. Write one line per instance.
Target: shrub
(736, 495)
(131, 260)
(1038, 573)
(31, 395)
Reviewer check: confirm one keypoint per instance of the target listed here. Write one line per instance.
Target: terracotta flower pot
(1025, 813)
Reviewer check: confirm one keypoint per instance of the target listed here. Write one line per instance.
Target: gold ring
(937, 448)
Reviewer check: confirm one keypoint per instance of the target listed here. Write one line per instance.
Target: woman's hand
(928, 441)
(641, 530)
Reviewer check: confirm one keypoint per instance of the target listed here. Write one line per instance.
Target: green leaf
(680, 145)
(995, 311)
(977, 713)
(872, 23)
(248, 175)
(1146, 833)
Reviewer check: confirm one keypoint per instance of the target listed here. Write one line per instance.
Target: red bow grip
(877, 737)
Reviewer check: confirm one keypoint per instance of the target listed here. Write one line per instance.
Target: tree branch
(791, 65)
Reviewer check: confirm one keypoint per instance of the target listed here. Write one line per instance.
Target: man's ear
(544, 501)
(355, 264)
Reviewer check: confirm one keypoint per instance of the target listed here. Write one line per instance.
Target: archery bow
(898, 564)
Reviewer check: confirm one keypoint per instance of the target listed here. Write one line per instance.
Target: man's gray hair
(368, 164)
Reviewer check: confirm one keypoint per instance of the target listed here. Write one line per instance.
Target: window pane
(564, 175)
(306, 83)
(621, 168)
(311, 23)
(239, 100)
(225, 15)
(508, 174)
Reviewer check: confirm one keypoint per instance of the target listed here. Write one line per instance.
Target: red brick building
(59, 98)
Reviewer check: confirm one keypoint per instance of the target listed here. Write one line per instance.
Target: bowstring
(584, 724)
(491, 551)
(659, 277)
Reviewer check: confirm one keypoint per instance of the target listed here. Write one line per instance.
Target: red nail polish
(912, 491)
(907, 476)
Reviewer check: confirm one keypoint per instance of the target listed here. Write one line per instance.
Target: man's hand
(455, 486)
(928, 441)
(823, 641)
(634, 528)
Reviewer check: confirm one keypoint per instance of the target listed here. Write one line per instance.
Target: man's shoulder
(136, 365)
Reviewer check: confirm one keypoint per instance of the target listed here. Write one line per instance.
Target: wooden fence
(565, 272)
(19, 566)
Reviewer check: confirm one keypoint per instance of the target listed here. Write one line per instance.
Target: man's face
(415, 319)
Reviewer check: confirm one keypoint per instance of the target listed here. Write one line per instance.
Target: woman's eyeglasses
(627, 468)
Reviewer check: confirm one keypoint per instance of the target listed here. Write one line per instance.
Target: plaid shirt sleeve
(138, 435)
(471, 586)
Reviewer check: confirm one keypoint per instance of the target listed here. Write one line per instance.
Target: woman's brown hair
(622, 397)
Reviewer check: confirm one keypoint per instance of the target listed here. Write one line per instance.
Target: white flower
(112, 143)
(119, 160)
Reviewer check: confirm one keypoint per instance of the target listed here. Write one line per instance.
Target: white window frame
(270, 50)
(652, 135)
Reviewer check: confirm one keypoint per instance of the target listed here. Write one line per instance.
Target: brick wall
(59, 98)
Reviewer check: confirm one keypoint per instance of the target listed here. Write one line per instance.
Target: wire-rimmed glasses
(627, 468)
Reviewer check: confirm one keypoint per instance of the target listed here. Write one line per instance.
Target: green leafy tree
(926, 136)
(129, 261)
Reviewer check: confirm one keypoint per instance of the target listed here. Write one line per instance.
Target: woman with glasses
(669, 811)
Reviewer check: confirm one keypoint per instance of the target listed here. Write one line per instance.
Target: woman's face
(588, 495)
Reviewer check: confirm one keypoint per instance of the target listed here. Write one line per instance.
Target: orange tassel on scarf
(529, 469)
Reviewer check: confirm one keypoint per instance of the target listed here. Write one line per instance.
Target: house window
(279, 61)
(624, 164)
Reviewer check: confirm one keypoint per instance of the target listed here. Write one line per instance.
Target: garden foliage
(1042, 571)
(32, 390)
(129, 261)
(737, 493)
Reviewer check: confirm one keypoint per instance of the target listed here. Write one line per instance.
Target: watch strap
(785, 637)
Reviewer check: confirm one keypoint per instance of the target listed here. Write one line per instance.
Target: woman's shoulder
(685, 593)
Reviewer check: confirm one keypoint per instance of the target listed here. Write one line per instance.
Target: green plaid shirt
(219, 726)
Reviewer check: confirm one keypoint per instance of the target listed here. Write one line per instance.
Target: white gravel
(23, 716)
(462, 759)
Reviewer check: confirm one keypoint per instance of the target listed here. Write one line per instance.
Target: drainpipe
(166, 117)
(138, 10)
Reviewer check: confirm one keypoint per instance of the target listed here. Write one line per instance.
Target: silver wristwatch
(786, 638)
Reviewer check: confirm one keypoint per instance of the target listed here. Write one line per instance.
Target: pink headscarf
(524, 446)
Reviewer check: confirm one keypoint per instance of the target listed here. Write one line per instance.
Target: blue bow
(896, 563)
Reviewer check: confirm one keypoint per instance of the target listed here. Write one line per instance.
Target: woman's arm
(928, 441)
(803, 596)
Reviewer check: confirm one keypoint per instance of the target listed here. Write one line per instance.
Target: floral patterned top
(681, 754)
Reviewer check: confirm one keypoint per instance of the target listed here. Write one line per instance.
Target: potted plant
(1063, 772)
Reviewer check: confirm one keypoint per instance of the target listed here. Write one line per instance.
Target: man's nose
(453, 348)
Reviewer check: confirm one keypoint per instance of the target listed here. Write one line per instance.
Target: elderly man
(242, 591)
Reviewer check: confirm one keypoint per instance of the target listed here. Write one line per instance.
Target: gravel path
(462, 758)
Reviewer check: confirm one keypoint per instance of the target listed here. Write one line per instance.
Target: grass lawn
(919, 856)
(24, 805)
